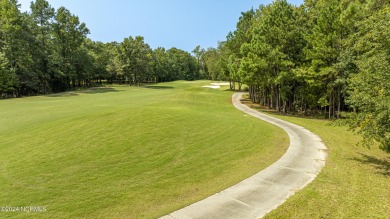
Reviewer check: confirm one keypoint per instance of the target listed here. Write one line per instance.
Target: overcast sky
(168, 23)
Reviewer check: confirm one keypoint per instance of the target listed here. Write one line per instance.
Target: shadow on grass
(64, 94)
(99, 90)
(95, 90)
(382, 165)
(234, 91)
(158, 87)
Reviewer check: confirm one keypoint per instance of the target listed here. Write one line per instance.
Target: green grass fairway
(355, 183)
(128, 152)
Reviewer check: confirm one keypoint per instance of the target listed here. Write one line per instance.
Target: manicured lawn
(127, 152)
(355, 183)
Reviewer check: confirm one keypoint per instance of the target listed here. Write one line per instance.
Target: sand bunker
(216, 85)
(220, 84)
(212, 86)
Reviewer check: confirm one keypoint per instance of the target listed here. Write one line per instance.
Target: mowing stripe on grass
(266, 190)
(127, 152)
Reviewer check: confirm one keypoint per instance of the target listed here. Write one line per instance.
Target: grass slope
(355, 183)
(126, 152)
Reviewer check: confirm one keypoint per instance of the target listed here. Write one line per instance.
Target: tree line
(47, 50)
(329, 57)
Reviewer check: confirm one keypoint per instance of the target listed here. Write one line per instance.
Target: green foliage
(17, 44)
(42, 15)
(48, 51)
(324, 57)
(8, 78)
(211, 57)
(235, 40)
(135, 56)
(69, 34)
(200, 58)
(182, 65)
(370, 88)
(272, 53)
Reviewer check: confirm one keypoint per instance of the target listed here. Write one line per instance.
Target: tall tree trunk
(68, 83)
(339, 105)
(330, 106)
(277, 92)
(334, 105)
(252, 93)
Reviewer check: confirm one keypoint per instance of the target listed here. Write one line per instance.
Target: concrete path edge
(259, 194)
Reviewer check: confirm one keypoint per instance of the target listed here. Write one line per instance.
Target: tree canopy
(323, 57)
(48, 50)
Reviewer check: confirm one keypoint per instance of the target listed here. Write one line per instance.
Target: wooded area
(328, 57)
(47, 50)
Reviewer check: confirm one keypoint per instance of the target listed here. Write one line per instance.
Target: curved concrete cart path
(258, 195)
